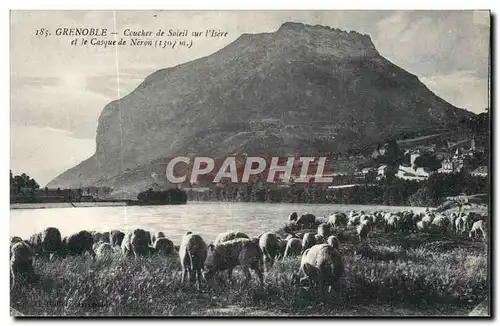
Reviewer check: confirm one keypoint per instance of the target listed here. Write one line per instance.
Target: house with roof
(481, 171)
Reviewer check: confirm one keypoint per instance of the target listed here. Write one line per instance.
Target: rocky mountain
(302, 89)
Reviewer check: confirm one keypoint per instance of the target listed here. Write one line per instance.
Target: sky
(58, 91)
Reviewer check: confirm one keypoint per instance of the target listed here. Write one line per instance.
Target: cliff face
(305, 89)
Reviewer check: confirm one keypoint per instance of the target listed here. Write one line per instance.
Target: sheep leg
(184, 272)
(246, 271)
(198, 278)
(259, 274)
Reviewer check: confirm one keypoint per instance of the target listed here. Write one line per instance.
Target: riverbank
(67, 205)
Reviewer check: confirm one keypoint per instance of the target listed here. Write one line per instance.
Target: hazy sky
(58, 91)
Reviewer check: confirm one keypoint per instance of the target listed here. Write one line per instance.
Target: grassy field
(412, 274)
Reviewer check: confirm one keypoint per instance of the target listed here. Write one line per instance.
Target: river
(204, 218)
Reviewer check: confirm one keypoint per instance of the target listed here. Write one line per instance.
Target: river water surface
(204, 218)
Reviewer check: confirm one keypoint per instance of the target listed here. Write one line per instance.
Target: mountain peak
(333, 39)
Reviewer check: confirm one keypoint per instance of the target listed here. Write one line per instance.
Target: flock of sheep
(310, 240)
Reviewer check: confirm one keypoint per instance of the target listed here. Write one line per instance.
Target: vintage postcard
(250, 163)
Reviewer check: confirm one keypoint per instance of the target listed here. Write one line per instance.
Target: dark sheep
(97, 236)
(14, 240)
(135, 243)
(306, 221)
(192, 253)
(158, 235)
(324, 230)
(293, 217)
(106, 237)
(378, 220)
(227, 255)
(116, 238)
(46, 242)
(163, 246)
(230, 235)
(270, 246)
(79, 243)
(293, 248)
(21, 264)
(406, 223)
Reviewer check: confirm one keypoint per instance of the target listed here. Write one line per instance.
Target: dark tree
(428, 161)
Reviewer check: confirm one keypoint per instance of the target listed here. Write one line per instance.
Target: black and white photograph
(250, 163)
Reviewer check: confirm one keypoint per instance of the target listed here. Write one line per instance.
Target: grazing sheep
(79, 243)
(362, 230)
(338, 220)
(428, 218)
(324, 230)
(333, 241)
(478, 227)
(97, 236)
(14, 240)
(306, 221)
(439, 224)
(423, 226)
(270, 246)
(406, 222)
(415, 219)
(116, 237)
(320, 239)
(378, 220)
(230, 235)
(323, 266)
(192, 253)
(135, 243)
(308, 241)
(163, 246)
(106, 237)
(282, 250)
(293, 217)
(21, 264)
(392, 223)
(227, 255)
(366, 219)
(46, 242)
(293, 248)
(353, 220)
(452, 218)
(459, 225)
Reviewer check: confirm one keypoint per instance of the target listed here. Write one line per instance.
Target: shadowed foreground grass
(419, 279)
